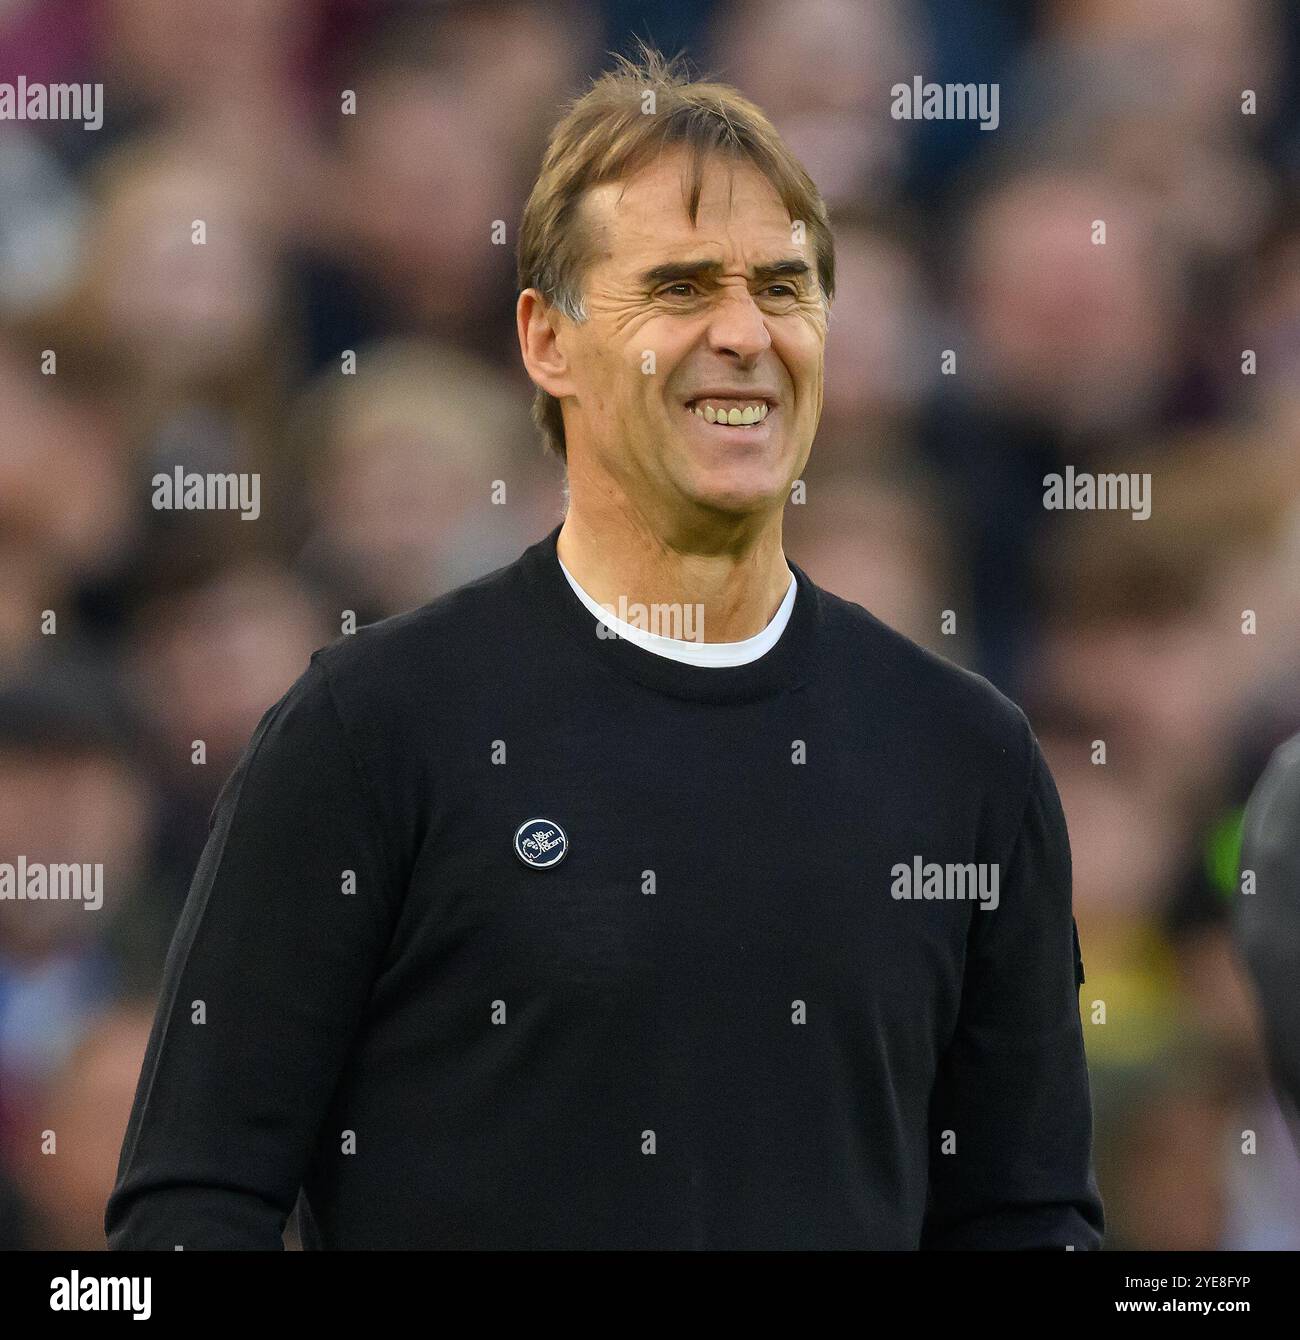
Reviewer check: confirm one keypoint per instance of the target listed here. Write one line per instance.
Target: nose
(737, 326)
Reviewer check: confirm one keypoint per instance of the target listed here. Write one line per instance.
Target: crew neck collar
(785, 666)
(712, 654)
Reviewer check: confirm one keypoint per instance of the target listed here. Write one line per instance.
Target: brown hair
(605, 135)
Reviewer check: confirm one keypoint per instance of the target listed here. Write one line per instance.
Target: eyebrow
(674, 271)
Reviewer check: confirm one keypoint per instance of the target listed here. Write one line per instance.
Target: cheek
(655, 351)
(595, 370)
(802, 350)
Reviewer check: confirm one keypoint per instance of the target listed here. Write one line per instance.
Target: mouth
(732, 412)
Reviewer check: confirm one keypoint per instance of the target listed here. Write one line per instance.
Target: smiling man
(524, 925)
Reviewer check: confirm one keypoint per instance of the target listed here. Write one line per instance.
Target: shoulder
(924, 691)
(427, 647)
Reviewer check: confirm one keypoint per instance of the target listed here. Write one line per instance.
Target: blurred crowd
(980, 339)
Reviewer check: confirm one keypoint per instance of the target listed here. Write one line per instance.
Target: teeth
(733, 415)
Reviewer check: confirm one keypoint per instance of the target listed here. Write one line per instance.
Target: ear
(539, 343)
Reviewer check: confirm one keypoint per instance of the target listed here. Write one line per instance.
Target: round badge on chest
(541, 843)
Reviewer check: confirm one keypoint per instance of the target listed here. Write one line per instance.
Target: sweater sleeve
(1011, 1115)
(287, 919)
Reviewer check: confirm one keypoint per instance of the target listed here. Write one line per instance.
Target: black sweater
(510, 935)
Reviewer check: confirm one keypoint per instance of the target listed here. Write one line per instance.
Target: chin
(740, 492)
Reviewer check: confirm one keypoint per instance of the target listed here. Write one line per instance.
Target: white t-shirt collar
(693, 653)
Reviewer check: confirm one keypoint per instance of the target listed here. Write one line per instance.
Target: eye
(789, 290)
(683, 288)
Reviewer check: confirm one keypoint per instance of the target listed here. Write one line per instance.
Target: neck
(737, 576)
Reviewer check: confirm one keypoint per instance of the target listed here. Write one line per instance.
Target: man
(516, 933)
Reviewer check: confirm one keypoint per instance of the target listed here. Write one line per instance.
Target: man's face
(691, 324)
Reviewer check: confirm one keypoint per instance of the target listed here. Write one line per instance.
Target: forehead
(645, 215)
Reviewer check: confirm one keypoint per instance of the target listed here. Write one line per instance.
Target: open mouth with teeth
(730, 413)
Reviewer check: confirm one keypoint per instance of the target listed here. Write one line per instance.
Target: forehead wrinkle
(599, 210)
(693, 175)
(713, 269)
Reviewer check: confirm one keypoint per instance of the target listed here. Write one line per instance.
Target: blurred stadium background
(373, 233)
